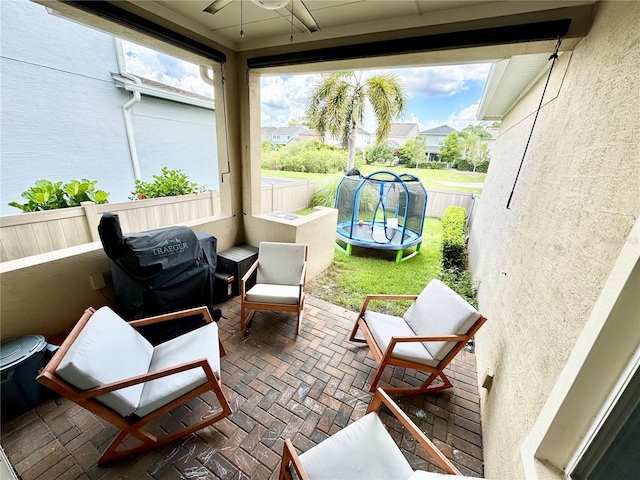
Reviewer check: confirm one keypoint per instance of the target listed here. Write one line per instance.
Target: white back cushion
(197, 344)
(108, 349)
(363, 450)
(280, 263)
(438, 310)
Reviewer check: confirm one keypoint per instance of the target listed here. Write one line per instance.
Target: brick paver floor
(280, 386)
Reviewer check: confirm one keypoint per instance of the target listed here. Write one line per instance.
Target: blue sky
(445, 94)
(437, 95)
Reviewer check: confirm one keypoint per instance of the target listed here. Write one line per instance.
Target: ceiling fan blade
(216, 6)
(302, 14)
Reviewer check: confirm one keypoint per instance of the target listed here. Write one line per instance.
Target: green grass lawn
(350, 279)
(429, 178)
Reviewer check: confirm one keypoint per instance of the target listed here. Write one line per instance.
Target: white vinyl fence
(29, 234)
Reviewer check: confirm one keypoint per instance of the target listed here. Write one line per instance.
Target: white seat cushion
(438, 310)
(108, 349)
(383, 327)
(422, 475)
(282, 294)
(200, 343)
(363, 450)
(280, 263)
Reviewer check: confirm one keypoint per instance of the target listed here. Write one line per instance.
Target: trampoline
(383, 211)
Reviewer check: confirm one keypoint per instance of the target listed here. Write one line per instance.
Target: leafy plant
(381, 155)
(324, 194)
(453, 238)
(307, 156)
(169, 183)
(461, 283)
(46, 195)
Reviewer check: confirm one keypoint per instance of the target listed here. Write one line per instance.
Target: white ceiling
(327, 19)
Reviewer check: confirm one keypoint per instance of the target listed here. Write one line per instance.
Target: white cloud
(284, 98)
(444, 80)
(147, 63)
(466, 116)
(413, 119)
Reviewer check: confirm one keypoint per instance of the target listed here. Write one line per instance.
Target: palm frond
(386, 95)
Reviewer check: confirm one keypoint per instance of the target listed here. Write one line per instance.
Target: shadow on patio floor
(280, 386)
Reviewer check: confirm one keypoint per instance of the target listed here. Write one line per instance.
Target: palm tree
(337, 105)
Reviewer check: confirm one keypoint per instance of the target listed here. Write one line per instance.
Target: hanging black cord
(554, 57)
(223, 80)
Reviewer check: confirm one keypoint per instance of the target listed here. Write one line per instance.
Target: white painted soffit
(508, 80)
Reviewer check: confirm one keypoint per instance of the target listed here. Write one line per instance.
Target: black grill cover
(159, 271)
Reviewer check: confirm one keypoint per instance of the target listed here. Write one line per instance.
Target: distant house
(401, 132)
(363, 139)
(284, 135)
(265, 133)
(307, 134)
(434, 139)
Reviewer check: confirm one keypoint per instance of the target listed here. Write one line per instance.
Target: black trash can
(20, 361)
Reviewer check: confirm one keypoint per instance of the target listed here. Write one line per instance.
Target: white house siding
(177, 136)
(61, 113)
(543, 263)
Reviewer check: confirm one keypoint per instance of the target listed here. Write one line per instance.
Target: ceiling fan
(296, 8)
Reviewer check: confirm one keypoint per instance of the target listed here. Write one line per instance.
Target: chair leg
(244, 321)
(376, 379)
(354, 330)
(111, 453)
(426, 387)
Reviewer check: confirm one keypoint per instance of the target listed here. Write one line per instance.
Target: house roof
(162, 90)
(286, 130)
(441, 130)
(402, 129)
(267, 130)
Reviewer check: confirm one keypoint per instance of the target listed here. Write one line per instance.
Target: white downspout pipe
(126, 109)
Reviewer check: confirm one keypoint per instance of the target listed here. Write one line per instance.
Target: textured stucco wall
(543, 263)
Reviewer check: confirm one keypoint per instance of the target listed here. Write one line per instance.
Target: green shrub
(381, 155)
(466, 166)
(434, 165)
(168, 184)
(307, 156)
(453, 238)
(46, 195)
(461, 283)
(324, 194)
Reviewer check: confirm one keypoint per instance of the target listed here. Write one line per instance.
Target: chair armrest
(289, 455)
(246, 277)
(147, 377)
(250, 272)
(173, 315)
(303, 274)
(381, 397)
(430, 338)
(368, 298)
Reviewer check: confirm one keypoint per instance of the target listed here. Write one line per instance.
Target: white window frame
(605, 411)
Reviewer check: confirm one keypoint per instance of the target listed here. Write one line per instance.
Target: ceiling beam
(528, 32)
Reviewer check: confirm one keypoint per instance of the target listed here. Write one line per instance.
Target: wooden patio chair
(429, 335)
(107, 367)
(281, 271)
(364, 450)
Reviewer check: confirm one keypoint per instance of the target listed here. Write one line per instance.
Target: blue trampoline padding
(367, 237)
